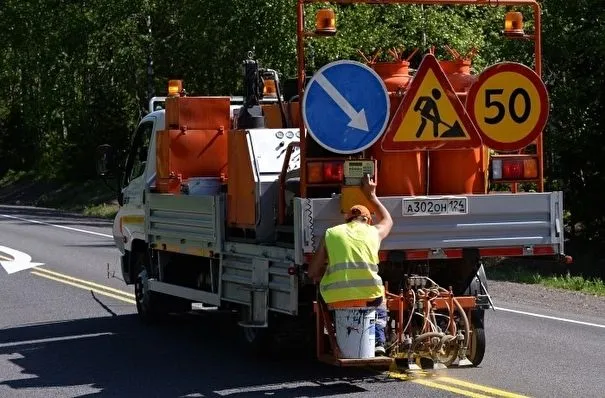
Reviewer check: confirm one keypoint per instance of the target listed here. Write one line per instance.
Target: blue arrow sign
(346, 107)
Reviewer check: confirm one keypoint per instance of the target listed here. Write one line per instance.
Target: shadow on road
(188, 357)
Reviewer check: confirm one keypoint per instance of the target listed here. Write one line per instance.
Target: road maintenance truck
(224, 200)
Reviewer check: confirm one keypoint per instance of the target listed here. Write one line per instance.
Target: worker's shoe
(379, 351)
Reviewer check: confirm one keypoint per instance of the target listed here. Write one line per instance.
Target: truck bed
(493, 220)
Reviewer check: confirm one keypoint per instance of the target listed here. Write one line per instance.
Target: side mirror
(105, 160)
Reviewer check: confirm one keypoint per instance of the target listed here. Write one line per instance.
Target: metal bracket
(437, 253)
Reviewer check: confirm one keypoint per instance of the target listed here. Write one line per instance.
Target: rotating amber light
(513, 24)
(325, 22)
(269, 89)
(175, 87)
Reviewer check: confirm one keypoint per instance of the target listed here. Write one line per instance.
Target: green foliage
(74, 75)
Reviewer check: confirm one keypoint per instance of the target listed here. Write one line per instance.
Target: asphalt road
(68, 328)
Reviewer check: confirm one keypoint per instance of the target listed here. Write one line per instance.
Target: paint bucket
(201, 186)
(355, 332)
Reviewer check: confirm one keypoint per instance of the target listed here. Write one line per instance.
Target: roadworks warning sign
(430, 116)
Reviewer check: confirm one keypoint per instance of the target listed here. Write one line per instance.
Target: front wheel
(149, 304)
(153, 306)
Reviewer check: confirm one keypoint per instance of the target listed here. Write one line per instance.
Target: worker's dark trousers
(381, 319)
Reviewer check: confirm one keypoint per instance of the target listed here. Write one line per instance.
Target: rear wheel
(476, 348)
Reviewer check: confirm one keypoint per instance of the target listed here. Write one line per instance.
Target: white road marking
(555, 318)
(58, 226)
(54, 339)
(16, 261)
(497, 308)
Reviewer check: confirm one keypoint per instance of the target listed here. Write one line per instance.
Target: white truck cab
(139, 173)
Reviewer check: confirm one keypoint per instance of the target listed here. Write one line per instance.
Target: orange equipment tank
(195, 141)
(461, 171)
(409, 167)
(395, 74)
(458, 70)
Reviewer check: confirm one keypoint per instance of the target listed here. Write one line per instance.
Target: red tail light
(325, 172)
(333, 171)
(513, 168)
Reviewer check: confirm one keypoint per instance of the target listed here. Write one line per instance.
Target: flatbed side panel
(185, 223)
(263, 284)
(494, 220)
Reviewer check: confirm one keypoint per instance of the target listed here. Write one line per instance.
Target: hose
(467, 329)
(425, 336)
(411, 312)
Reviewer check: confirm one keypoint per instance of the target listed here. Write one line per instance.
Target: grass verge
(94, 198)
(594, 286)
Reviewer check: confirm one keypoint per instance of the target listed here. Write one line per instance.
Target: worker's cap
(357, 211)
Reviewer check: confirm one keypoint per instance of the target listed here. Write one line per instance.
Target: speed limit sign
(509, 106)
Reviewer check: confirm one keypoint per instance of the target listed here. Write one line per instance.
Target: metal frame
(300, 50)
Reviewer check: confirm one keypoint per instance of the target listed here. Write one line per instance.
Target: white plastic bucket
(203, 185)
(355, 332)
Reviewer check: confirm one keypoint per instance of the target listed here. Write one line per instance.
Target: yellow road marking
(433, 380)
(80, 286)
(479, 387)
(71, 278)
(455, 390)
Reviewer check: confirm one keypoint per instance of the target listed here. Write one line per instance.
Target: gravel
(546, 297)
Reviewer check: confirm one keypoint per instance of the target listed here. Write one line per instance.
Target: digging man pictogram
(427, 106)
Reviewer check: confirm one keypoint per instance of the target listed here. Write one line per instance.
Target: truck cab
(139, 173)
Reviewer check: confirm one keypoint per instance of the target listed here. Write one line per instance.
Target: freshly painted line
(455, 390)
(84, 282)
(57, 226)
(53, 339)
(115, 296)
(473, 386)
(555, 318)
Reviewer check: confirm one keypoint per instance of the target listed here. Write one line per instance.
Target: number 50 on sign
(509, 105)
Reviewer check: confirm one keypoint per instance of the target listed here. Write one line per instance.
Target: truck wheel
(149, 304)
(255, 340)
(476, 349)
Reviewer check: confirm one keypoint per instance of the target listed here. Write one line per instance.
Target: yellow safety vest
(352, 271)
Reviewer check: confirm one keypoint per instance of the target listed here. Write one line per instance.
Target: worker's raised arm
(385, 222)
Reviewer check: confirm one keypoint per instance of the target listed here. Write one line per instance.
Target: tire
(149, 304)
(153, 307)
(476, 349)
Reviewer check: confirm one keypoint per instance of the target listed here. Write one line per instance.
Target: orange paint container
(395, 75)
(459, 171)
(400, 173)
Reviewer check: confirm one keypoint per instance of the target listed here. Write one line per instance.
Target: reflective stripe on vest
(352, 271)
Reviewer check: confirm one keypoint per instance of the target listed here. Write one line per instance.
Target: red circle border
(533, 77)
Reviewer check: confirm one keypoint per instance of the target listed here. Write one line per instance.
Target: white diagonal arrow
(358, 119)
(13, 260)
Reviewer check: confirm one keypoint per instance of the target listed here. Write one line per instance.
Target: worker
(350, 279)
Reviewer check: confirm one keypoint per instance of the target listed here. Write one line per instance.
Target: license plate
(435, 206)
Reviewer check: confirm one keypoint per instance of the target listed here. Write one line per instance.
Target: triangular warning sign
(430, 116)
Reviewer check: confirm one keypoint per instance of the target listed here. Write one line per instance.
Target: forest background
(76, 74)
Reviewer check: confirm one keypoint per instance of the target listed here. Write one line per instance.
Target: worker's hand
(369, 186)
